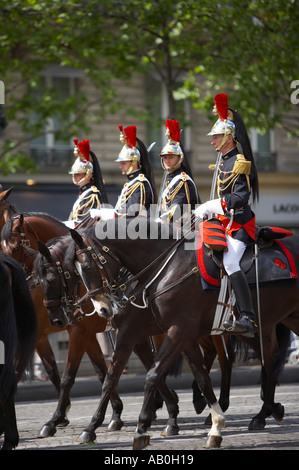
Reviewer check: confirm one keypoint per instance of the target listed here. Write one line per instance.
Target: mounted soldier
(139, 191)
(178, 195)
(88, 177)
(237, 181)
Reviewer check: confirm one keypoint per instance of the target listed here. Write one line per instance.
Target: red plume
(75, 141)
(221, 104)
(84, 149)
(121, 128)
(130, 133)
(174, 130)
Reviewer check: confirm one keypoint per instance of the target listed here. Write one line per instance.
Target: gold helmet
(224, 125)
(83, 163)
(129, 152)
(173, 147)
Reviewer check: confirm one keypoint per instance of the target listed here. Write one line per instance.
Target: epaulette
(94, 189)
(241, 166)
(184, 176)
(141, 177)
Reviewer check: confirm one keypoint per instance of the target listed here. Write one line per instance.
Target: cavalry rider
(178, 195)
(139, 191)
(88, 177)
(237, 180)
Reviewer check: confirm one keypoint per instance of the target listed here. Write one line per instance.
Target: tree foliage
(198, 49)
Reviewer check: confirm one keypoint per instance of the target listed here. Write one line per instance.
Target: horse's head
(7, 210)
(90, 265)
(61, 286)
(13, 238)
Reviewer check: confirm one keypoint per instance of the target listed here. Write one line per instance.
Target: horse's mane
(7, 228)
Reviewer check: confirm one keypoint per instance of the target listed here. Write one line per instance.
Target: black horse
(17, 339)
(169, 284)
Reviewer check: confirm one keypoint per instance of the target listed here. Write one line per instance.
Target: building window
(48, 150)
(157, 107)
(264, 150)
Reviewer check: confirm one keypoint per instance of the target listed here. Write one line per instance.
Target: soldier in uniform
(139, 191)
(237, 181)
(87, 176)
(178, 195)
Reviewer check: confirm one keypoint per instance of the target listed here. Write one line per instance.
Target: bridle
(70, 297)
(24, 240)
(124, 290)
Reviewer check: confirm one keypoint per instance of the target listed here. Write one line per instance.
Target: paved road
(244, 404)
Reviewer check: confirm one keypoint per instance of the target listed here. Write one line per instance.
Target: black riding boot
(245, 323)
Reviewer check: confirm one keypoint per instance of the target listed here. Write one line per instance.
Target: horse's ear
(77, 238)
(4, 194)
(44, 250)
(21, 218)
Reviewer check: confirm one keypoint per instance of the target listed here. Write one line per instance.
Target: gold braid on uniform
(171, 195)
(241, 167)
(85, 205)
(126, 196)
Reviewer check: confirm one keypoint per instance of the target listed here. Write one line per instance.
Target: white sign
(278, 209)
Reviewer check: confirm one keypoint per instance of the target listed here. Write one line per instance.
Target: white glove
(69, 223)
(209, 207)
(104, 214)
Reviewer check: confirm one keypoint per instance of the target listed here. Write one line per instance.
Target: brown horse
(7, 210)
(20, 236)
(182, 308)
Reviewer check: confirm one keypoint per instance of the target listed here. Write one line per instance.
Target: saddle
(275, 262)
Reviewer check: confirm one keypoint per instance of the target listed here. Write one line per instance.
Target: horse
(46, 271)
(167, 275)
(20, 237)
(17, 341)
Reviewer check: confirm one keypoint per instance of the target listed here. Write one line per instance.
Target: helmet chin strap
(224, 139)
(81, 180)
(131, 167)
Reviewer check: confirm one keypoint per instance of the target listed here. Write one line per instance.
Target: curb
(90, 386)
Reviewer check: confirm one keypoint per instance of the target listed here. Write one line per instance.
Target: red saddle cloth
(276, 263)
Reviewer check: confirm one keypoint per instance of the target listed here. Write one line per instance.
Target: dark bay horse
(183, 309)
(20, 237)
(45, 267)
(17, 341)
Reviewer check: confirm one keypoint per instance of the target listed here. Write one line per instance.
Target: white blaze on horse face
(101, 305)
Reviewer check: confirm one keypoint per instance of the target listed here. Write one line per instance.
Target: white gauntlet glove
(209, 207)
(104, 214)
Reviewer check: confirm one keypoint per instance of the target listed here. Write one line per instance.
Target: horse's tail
(8, 337)
(26, 322)
(283, 335)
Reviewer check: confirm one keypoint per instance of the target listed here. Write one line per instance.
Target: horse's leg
(11, 435)
(197, 365)
(95, 354)
(208, 346)
(123, 349)
(166, 357)
(45, 352)
(76, 349)
(162, 393)
(270, 370)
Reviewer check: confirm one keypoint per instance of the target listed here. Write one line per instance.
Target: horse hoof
(256, 424)
(115, 425)
(47, 431)
(63, 423)
(278, 412)
(170, 430)
(87, 437)
(213, 442)
(140, 442)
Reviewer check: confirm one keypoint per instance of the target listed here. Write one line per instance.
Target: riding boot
(245, 323)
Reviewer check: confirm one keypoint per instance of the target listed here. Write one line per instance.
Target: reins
(113, 286)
